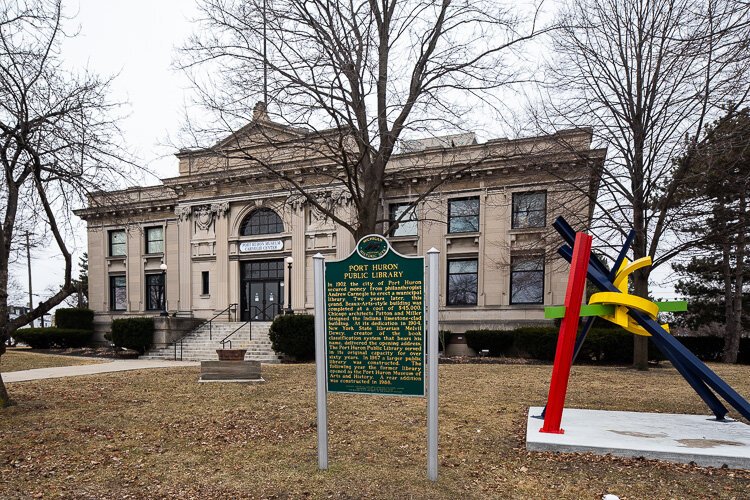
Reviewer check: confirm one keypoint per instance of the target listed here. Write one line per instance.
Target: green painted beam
(672, 306)
(554, 312)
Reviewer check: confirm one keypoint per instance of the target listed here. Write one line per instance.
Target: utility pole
(265, 60)
(28, 260)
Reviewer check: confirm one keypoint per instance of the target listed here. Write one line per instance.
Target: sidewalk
(94, 369)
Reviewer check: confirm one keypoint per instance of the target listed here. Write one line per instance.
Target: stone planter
(231, 354)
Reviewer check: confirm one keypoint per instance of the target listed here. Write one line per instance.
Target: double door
(261, 289)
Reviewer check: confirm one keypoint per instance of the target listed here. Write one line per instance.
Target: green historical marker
(375, 342)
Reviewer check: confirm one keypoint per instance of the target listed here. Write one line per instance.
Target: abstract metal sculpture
(635, 314)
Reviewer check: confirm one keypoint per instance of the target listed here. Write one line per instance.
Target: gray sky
(136, 41)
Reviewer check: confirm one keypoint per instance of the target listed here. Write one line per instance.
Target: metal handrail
(226, 339)
(227, 310)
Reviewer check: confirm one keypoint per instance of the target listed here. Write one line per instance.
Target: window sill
(472, 234)
(205, 295)
(404, 238)
(153, 255)
(528, 230)
(116, 257)
(462, 236)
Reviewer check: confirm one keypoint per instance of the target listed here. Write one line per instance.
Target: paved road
(93, 369)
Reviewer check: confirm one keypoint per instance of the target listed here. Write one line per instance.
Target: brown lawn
(16, 360)
(160, 434)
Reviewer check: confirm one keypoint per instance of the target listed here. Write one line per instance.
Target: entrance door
(261, 289)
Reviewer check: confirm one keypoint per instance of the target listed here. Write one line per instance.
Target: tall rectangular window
(407, 225)
(204, 283)
(527, 280)
(462, 282)
(155, 292)
(154, 240)
(117, 243)
(529, 210)
(463, 215)
(118, 297)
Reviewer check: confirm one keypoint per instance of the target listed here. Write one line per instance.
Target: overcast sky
(136, 41)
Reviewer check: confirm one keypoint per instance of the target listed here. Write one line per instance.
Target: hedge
(603, 345)
(294, 336)
(133, 333)
(45, 338)
(77, 318)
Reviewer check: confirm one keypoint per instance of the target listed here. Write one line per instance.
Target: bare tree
(647, 75)
(348, 79)
(57, 143)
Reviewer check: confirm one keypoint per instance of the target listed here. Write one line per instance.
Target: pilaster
(222, 261)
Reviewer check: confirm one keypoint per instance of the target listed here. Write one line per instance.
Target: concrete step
(201, 344)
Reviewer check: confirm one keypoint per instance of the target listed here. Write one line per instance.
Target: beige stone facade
(216, 229)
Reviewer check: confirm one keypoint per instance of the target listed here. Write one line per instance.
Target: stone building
(223, 231)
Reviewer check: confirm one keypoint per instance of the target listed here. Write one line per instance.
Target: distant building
(16, 311)
(224, 228)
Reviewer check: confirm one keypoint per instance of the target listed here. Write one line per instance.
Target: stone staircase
(197, 346)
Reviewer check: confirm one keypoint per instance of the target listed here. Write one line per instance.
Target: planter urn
(231, 354)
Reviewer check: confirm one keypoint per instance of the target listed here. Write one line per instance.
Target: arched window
(261, 221)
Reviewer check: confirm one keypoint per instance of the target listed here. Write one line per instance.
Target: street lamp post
(289, 262)
(163, 268)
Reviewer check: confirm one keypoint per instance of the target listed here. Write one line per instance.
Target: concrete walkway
(120, 365)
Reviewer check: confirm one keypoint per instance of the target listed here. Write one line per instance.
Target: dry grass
(156, 434)
(16, 360)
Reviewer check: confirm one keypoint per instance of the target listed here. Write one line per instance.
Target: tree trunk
(733, 299)
(640, 278)
(4, 397)
(640, 343)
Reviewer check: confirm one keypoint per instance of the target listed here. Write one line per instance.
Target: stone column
(344, 239)
(299, 271)
(222, 259)
(184, 230)
(172, 260)
(135, 268)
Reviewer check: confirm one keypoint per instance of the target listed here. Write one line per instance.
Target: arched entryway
(261, 280)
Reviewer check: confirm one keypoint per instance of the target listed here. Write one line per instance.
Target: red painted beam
(566, 339)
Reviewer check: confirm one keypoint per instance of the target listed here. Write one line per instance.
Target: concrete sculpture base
(685, 439)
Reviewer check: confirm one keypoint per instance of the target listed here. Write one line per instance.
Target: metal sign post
(320, 359)
(433, 292)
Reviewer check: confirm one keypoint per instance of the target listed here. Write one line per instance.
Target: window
(155, 292)
(117, 242)
(204, 282)
(527, 280)
(463, 215)
(154, 239)
(529, 210)
(407, 226)
(462, 282)
(118, 297)
(262, 221)
(263, 269)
